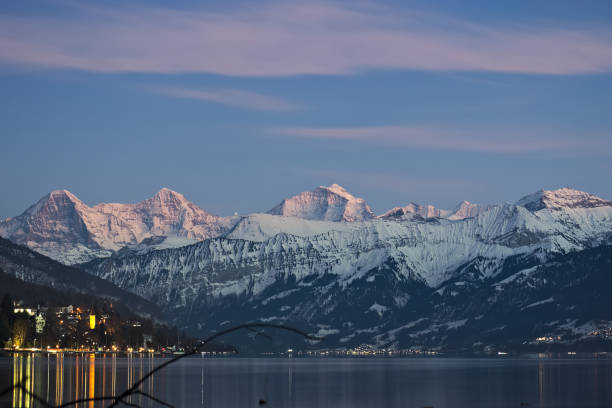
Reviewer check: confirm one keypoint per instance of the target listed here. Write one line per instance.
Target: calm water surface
(328, 382)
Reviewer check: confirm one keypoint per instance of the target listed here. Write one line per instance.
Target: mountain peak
(341, 191)
(166, 190)
(465, 209)
(62, 193)
(165, 194)
(414, 209)
(331, 203)
(336, 188)
(462, 204)
(63, 227)
(561, 198)
(56, 200)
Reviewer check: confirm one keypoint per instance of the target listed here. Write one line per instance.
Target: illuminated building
(40, 323)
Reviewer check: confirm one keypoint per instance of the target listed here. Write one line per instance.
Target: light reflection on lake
(325, 382)
(60, 378)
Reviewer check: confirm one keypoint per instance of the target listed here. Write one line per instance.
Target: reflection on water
(60, 378)
(242, 382)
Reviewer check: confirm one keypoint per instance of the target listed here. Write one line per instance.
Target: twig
(78, 401)
(151, 397)
(260, 333)
(21, 386)
(12, 387)
(205, 341)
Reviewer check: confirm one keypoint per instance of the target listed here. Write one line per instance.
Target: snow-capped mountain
(562, 198)
(331, 203)
(463, 210)
(62, 227)
(412, 209)
(385, 281)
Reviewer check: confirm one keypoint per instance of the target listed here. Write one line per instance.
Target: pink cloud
(294, 39)
(232, 97)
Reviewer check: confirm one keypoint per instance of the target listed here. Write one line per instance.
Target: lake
(314, 382)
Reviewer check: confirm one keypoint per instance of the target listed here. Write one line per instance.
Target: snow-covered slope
(562, 198)
(416, 274)
(310, 265)
(66, 229)
(463, 210)
(331, 203)
(430, 249)
(260, 227)
(412, 209)
(62, 227)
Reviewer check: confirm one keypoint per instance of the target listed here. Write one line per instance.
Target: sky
(240, 104)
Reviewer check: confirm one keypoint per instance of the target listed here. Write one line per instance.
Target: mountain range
(415, 276)
(64, 228)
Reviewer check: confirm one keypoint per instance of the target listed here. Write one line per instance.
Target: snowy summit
(63, 227)
(561, 199)
(331, 203)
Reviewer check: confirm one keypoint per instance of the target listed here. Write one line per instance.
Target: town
(82, 328)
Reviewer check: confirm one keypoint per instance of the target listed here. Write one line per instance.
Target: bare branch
(151, 397)
(206, 341)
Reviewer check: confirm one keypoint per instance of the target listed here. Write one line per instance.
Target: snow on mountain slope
(167, 213)
(382, 281)
(55, 227)
(465, 209)
(412, 209)
(260, 227)
(562, 198)
(252, 257)
(331, 203)
(64, 228)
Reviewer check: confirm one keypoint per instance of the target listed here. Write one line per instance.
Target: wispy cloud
(442, 192)
(392, 182)
(232, 97)
(272, 39)
(477, 140)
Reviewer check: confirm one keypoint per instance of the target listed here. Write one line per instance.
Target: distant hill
(36, 278)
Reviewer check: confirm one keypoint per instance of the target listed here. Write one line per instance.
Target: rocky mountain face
(465, 283)
(465, 279)
(464, 209)
(561, 199)
(331, 203)
(413, 210)
(62, 227)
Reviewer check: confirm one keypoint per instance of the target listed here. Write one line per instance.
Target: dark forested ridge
(533, 303)
(67, 282)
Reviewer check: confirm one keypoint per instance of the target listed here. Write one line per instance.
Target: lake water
(314, 382)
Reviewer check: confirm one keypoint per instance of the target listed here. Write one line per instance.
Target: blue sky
(240, 104)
